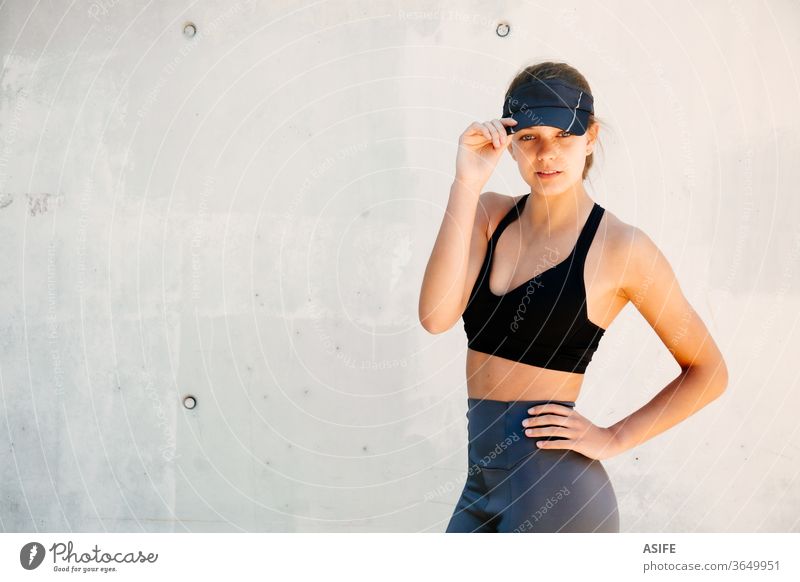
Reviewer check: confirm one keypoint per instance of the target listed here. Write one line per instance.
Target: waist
(498, 378)
(496, 436)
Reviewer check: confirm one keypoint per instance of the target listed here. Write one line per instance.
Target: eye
(562, 134)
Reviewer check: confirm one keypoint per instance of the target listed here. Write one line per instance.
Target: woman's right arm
(444, 290)
(442, 296)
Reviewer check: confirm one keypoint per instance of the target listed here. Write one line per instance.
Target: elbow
(715, 377)
(432, 319)
(719, 376)
(433, 322)
(431, 325)
(722, 377)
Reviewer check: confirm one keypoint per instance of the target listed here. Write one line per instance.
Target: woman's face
(541, 148)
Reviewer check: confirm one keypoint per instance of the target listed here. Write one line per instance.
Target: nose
(547, 151)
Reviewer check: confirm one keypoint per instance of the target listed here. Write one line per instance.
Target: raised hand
(480, 148)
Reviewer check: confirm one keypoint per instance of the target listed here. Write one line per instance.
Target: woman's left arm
(650, 284)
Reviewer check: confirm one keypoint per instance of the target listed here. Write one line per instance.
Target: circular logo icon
(31, 555)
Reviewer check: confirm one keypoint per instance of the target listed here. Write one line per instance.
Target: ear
(591, 137)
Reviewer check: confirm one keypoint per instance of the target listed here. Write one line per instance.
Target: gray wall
(245, 217)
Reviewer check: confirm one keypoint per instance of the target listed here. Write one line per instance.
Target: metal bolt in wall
(503, 29)
(189, 30)
(189, 402)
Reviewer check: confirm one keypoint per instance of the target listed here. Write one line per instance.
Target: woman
(538, 279)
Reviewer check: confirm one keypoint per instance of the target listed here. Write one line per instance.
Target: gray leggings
(514, 486)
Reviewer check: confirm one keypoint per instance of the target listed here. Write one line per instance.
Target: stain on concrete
(42, 203)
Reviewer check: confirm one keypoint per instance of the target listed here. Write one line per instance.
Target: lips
(547, 174)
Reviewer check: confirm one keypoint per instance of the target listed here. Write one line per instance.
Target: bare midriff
(494, 378)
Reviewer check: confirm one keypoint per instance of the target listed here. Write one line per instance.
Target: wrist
(475, 186)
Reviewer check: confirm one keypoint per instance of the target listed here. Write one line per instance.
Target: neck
(554, 213)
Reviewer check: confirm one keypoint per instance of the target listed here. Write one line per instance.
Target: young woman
(538, 279)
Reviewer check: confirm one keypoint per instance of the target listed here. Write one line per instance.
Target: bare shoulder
(494, 207)
(618, 236)
(634, 253)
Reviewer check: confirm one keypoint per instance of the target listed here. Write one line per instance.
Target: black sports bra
(542, 322)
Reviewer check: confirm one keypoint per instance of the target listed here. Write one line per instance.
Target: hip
(497, 439)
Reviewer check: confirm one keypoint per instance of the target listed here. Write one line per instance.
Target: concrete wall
(245, 216)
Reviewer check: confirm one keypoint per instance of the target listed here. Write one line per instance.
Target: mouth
(546, 175)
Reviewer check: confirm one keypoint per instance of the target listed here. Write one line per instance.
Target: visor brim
(575, 121)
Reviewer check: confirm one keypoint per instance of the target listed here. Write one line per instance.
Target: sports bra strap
(510, 217)
(587, 234)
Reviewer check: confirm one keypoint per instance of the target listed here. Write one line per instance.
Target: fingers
(502, 124)
(552, 407)
(567, 444)
(479, 128)
(546, 419)
(496, 136)
(550, 431)
(501, 128)
(493, 130)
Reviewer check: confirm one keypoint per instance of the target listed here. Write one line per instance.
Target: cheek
(576, 153)
(575, 147)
